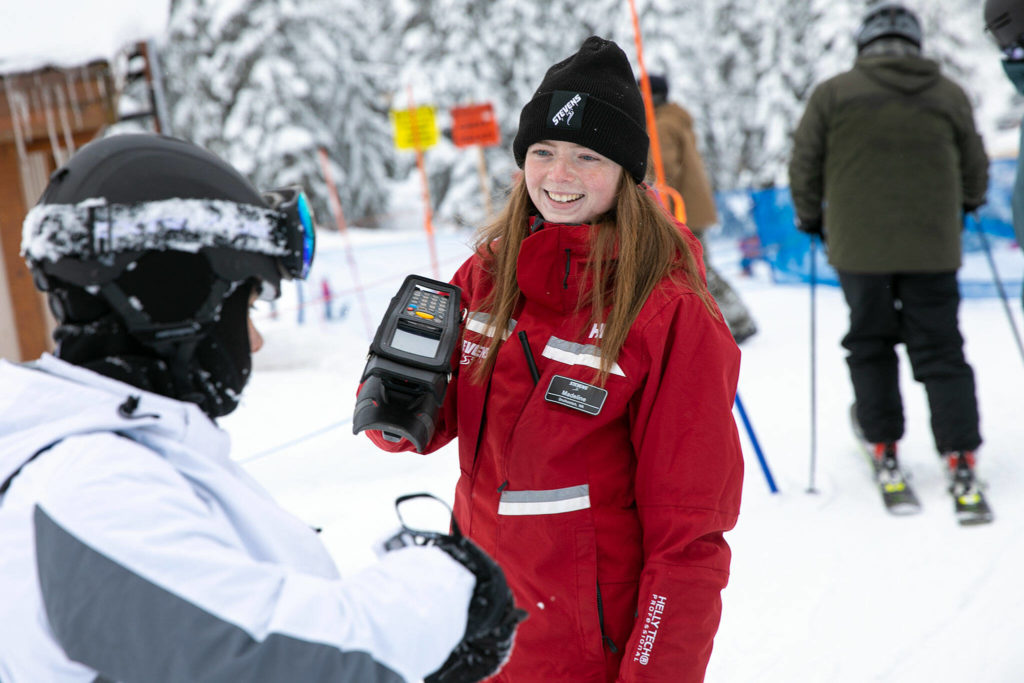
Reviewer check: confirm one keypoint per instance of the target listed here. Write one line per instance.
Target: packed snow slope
(825, 586)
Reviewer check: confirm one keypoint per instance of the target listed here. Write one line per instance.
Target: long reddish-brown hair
(635, 245)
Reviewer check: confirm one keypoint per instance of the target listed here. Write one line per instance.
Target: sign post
(415, 128)
(475, 125)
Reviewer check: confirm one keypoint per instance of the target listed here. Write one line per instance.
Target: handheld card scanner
(409, 365)
(421, 325)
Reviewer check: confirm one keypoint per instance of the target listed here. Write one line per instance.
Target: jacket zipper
(7, 482)
(531, 364)
(483, 423)
(568, 258)
(600, 620)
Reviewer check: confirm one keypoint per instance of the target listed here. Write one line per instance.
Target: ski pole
(999, 285)
(814, 364)
(757, 446)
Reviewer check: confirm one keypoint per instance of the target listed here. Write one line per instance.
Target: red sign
(475, 125)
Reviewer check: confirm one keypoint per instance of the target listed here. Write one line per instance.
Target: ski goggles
(296, 223)
(110, 236)
(408, 535)
(1013, 66)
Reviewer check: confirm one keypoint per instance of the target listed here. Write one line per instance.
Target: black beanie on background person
(659, 89)
(659, 84)
(589, 99)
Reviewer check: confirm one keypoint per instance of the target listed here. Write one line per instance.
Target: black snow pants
(920, 310)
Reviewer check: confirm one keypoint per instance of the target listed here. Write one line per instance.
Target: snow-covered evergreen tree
(267, 84)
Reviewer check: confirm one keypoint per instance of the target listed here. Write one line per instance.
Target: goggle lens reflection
(308, 234)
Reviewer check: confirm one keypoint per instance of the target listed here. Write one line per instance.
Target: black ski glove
(493, 616)
(492, 620)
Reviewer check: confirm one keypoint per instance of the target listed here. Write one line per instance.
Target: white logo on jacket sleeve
(470, 351)
(652, 622)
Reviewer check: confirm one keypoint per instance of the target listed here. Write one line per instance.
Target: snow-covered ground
(825, 586)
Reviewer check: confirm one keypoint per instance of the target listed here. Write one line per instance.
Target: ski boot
(968, 495)
(887, 467)
(898, 496)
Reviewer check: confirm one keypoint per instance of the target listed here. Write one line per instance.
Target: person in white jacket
(133, 547)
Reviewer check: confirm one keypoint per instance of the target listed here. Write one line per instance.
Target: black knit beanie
(590, 99)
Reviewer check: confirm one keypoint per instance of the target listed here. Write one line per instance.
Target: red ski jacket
(606, 507)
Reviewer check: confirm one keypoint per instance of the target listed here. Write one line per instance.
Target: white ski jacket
(133, 549)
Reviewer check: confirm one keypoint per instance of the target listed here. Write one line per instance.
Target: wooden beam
(86, 95)
(32, 330)
(43, 114)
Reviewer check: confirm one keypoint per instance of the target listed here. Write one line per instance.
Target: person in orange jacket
(684, 173)
(600, 463)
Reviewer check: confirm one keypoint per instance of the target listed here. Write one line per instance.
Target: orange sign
(475, 125)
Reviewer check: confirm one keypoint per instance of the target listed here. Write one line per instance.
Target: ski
(897, 494)
(969, 503)
(971, 508)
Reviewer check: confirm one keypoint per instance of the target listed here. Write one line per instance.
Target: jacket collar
(51, 400)
(551, 264)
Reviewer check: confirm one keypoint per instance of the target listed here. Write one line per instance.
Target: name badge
(577, 395)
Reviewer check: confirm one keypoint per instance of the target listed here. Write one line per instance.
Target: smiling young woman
(600, 464)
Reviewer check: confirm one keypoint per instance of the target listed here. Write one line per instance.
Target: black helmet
(149, 249)
(1004, 19)
(889, 19)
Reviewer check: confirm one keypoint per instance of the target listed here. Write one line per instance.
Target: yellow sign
(414, 128)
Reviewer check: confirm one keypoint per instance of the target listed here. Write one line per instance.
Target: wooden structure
(45, 115)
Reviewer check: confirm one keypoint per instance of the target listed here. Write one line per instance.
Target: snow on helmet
(1004, 19)
(149, 249)
(889, 19)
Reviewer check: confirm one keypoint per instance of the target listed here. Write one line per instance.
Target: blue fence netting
(767, 215)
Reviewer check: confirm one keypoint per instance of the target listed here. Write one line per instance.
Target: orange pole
(665, 192)
(334, 200)
(485, 186)
(428, 215)
(678, 206)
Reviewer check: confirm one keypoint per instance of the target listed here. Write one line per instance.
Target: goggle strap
(93, 227)
(165, 338)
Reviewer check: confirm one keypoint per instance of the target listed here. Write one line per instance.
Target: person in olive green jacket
(885, 160)
(684, 173)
